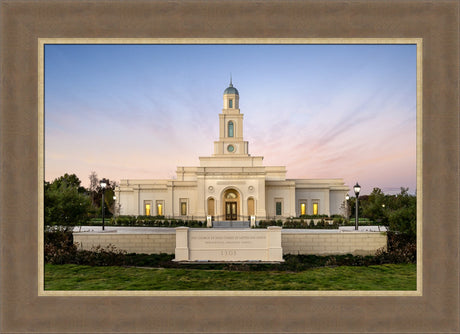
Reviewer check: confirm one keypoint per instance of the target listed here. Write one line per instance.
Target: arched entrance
(231, 200)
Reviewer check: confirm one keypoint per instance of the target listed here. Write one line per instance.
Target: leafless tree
(93, 185)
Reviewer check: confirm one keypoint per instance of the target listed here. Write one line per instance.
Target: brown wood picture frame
(24, 23)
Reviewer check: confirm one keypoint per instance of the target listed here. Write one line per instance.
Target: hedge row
(300, 224)
(296, 223)
(152, 221)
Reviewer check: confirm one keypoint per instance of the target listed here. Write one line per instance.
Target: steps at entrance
(230, 224)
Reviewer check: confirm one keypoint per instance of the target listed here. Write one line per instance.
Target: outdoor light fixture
(357, 189)
(114, 205)
(347, 208)
(103, 184)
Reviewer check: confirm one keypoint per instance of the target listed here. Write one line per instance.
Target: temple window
(303, 208)
(230, 129)
(183, 208)
(315, 208)
(160, 208)
(279, 208)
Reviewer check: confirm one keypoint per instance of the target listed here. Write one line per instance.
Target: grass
(378, 277)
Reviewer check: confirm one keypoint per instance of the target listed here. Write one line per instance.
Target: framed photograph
(136, 120)
(28, 28)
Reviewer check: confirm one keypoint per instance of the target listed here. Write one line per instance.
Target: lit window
(278, 208)
(231, 195)
(315, 208)
(303, 208)
(147, 209)
(230, 103)
(183, 208)
(230, 129)
(159, 209)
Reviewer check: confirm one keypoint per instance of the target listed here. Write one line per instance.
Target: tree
(71, 180)
(345, 209)
(93, 184)
(109, 194)
(108, 198)
(65, 203)
(374, 207)
(403, 218)
(398, 212)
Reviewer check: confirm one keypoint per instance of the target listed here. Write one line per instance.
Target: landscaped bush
(59, 247)
(267, 223)
(100, 256)
(150, 221)
(361, 222)
(299, 224)
(401, 248)
(313, 216)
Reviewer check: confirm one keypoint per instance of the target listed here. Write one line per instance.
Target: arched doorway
(231, 201)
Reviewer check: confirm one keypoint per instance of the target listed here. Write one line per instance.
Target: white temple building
(231, 184)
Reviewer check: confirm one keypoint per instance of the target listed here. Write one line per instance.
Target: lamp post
(115, 212)
(348, 206)
(103, 184)
(115, 205)
(357, 189)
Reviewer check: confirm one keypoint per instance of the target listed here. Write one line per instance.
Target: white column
(275, 251)
(182, 247)
(261, 212)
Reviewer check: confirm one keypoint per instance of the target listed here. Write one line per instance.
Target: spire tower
(231, 141)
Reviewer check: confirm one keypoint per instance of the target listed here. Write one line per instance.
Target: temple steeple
(231, 125)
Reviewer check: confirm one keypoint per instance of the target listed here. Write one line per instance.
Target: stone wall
(356, 243)
(154, 243)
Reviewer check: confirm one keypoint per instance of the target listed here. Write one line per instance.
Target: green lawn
(381, 277)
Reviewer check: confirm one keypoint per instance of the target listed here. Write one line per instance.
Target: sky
(323, 111)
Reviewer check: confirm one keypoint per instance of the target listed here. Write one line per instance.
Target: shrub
(404, 220)
(401, 248)
(337, 216)
(100, 256)
(313, 216)
(59, 247)
(265, 224)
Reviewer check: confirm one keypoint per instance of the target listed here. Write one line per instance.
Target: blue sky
(323, 111)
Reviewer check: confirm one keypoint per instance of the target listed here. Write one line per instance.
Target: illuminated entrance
(230, 211)
(231, 199)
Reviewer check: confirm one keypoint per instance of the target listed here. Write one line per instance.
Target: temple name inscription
(228, 245)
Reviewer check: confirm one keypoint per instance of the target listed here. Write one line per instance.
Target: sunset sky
(323, 111)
